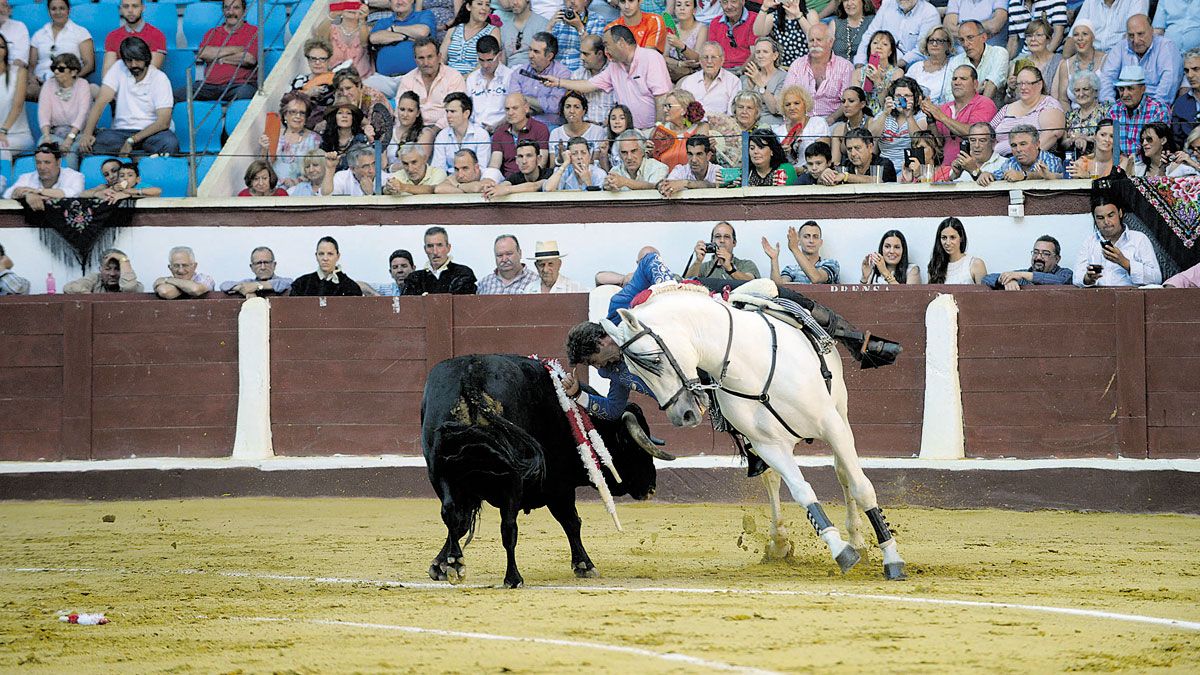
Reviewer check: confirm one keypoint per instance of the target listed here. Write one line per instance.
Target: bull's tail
(490, 445)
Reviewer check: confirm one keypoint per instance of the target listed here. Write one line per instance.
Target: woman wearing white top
(15, 136)
(931, 72)
(800, 128)
(60, 36)
(573, 108)
(949, 263)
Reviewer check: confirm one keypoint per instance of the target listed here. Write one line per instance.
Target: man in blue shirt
(393, 36)
(1043, 269)
(1155, 53)
(1027, 162)
(1185, 114)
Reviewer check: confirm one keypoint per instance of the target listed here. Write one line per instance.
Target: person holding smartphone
(1116, 256)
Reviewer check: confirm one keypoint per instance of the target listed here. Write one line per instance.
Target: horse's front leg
(778, 544)
(779, 457)
(854, 532)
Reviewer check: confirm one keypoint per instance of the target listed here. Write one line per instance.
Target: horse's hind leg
(854, 532)
(778, 544)
(780, 459)
(860, 489)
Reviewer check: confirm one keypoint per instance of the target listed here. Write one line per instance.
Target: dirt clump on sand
(332, 585)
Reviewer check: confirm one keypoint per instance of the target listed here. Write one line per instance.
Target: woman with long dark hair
(410, 128)
(462, 35)
(768, 163)
(620, 120)
(889, 264)
(329, 279)
(343, 128)
(1156, 147)
(949, 263)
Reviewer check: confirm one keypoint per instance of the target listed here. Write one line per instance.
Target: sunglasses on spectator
(729, 34)
(61, 69)
(517, 47)
(312, 57)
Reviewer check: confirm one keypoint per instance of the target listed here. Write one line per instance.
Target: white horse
(768, 382)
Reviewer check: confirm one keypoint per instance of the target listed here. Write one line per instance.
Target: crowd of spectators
(901, 78)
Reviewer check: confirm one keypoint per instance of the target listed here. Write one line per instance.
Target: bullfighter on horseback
(588, 342)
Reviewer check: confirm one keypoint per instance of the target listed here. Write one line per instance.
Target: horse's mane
(666, 288)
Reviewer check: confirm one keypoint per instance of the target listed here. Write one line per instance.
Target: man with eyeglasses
(600, 102)
(230, 52)
(132, 25)
(1157, 55)
(907, 21)
(488, 85)
(648, 29)
(989, 61)
(1043, 269)
(822, 73)
(185, 281)
(1185, 114)
(980, 162)
(954, 118)
(264, 282)
(734, 31)
(393, 37)
(713, 86)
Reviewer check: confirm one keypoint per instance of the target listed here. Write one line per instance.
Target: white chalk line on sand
(674, 657)
(908, 599)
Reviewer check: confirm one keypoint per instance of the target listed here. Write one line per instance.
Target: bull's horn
(643, 441)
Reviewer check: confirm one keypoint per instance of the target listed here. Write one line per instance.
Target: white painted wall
(224, 252)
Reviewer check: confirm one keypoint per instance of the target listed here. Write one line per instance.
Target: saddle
(762, 295)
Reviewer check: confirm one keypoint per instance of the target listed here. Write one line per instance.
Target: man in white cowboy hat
(1157, 55)
(548, 261)
(1134, 109)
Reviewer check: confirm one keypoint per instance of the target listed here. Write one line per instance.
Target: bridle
(651, 362)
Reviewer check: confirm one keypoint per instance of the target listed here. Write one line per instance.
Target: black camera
(710, 247)
(569, 14)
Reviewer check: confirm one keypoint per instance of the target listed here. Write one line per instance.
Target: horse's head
(665, 359)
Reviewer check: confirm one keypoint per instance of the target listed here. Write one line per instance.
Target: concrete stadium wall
(1047, 373)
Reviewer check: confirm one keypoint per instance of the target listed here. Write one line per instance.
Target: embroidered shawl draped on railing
(73, 228)
(1169, 209)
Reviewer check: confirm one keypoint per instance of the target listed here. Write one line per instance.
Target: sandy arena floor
(189, 586)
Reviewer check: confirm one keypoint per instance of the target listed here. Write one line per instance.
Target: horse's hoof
(894, 571)
(514, 583)
(436, 573)
(585, 570)
(847, 559)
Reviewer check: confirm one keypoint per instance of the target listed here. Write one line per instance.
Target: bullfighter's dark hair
(583, 341)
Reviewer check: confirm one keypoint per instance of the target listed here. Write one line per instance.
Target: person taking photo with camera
(715, 259)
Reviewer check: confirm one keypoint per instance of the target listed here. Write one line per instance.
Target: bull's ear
(629, 320)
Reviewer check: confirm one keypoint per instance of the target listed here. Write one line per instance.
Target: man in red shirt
(132, 24)
(648, 30)
(230, 52)
(734, 31)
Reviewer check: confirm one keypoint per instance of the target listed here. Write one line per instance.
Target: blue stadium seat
(210, 122)
(274, 33)
(233, 114)
(198, 18)
(203, 164)
(168, 173)
(109, 2)
(105, 117)
(31, 112)
(6, 171)
(17, 3)
(95, 77)
(90, 168)
(271, 58)
(99, 20)
(33, 16)
(298, 14)
(176, 65)
(165, 17)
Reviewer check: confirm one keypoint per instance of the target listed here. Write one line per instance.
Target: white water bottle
(51, 286)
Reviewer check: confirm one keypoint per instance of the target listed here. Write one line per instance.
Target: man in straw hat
(548, 261)
(1134, 109)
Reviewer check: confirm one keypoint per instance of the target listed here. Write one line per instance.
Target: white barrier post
(942, 429)
(253, 437)
(598, 300)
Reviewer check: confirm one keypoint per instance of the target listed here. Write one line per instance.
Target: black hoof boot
(894, 571)
(847, 559)
(754, 465)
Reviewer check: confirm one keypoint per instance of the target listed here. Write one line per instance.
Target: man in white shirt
(712, 85)
(1116, 256)
(907, 21)
(548, 261)
(17, 36)
(981, 159)
(461, 133)
(637, 171)
(49, 180)
(698, 172)
(989, 61)
(144, 103)
(488, 84)
(469, 176)
(1107, 18)
(356, 181)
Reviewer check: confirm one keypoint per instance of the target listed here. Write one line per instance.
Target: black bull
(493, 430)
